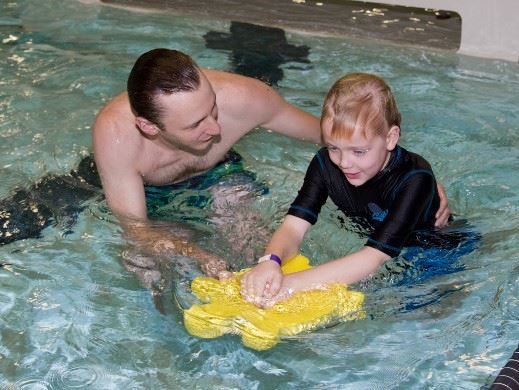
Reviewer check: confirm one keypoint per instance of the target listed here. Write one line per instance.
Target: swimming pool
(72, 315)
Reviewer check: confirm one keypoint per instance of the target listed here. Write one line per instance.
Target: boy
(367, 175)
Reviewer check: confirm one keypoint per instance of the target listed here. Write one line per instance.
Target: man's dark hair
(156, 72)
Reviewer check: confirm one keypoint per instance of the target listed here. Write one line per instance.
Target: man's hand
(215, 268)
(443, 213)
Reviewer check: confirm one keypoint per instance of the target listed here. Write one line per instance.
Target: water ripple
(6, 302)
(32, 384)
(76, 377)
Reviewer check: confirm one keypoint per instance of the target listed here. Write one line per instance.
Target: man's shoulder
(244, 99)
(114, 120)
(234, 86)
(114, 134)
(117, 110)
(220, 77)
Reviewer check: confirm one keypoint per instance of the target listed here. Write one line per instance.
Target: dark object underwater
(257, 51)
(51, 200)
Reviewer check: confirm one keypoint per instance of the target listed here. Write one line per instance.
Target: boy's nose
(345, 161)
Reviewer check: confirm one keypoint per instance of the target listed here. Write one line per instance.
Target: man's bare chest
(166, 171)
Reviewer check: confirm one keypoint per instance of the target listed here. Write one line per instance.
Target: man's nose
(213, 127)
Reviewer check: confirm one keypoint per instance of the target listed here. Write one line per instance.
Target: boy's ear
(146, 126)
(392, 137)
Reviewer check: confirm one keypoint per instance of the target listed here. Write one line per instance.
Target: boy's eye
(332, 148)
(360, 152)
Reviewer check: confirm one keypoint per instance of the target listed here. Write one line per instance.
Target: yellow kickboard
(227, 312)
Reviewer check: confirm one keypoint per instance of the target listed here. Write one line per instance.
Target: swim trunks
(228, 172)
(436, 252)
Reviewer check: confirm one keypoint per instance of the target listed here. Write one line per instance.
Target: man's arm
(254, 103)
(293, 122)
(126, 199)
(443, 213)
(123, 187)
(262, 106)
(115, 152)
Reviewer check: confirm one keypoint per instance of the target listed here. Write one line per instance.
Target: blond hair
(360, 101)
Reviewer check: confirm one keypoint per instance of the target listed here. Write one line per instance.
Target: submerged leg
(51, 200)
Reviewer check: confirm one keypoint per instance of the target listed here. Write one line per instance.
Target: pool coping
(394, 24)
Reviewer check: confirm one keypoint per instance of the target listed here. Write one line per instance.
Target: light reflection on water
(74, 316)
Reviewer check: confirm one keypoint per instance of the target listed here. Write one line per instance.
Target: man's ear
(146, 126)
(392, 137)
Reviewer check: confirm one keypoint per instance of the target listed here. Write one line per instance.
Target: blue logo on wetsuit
(377, 213)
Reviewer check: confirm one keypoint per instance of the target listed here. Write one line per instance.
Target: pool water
(73, 314)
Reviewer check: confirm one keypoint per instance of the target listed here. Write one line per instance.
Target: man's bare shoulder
(240, 96)
(115, 114)
(222, 78)
(237, 88)
(114, 135)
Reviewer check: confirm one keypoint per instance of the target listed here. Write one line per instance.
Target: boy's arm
(412, 200)
(348, 269)
(264, 280)
(286, 240)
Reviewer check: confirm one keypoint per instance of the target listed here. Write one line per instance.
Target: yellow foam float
(225, 311)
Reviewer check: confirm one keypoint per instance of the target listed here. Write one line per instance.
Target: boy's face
(359, 157)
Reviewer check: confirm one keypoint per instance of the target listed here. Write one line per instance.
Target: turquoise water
(73, 316)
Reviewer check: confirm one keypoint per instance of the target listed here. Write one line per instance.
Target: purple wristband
(275, 258)
(272, 257)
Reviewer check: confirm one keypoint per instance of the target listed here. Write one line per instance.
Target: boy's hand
(289, 285)
(261, 283)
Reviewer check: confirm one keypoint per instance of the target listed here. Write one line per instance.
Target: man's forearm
(157, 240)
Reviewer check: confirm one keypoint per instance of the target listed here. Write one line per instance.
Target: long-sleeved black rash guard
(400, 199)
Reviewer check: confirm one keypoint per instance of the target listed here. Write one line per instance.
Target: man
(177, 121)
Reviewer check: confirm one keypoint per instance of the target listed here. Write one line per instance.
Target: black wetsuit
(396, 209)
(399, 200)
